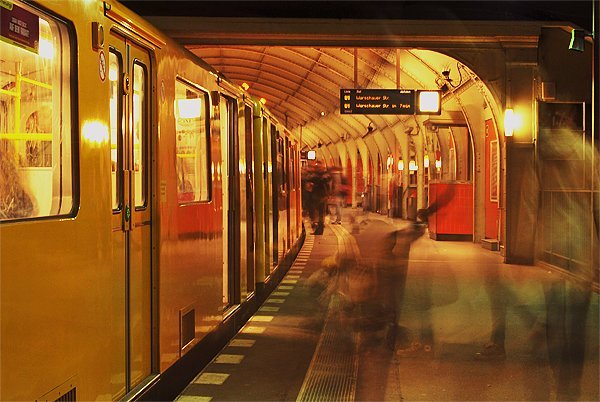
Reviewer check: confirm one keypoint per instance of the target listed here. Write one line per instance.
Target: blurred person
(16, 201)
(568, 300)
(316, 183)
(423, 343)
(338, 191)
(370, 289)
(366, 198)
(567, 184)
(502, 297)
(373, 286)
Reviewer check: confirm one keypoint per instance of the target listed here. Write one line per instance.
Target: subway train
(147, 205)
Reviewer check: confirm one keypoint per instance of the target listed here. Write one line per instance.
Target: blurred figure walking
(338, 192)
(315, 187)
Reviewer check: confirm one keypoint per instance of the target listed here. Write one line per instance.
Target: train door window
(115, 68)
(140, 119)
(36, 148)
(192, 151)
(249, 171)
(228, 118)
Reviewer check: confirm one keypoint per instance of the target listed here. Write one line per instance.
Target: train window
(116, 139)
(139, 133)
(191, 121)
(36, 171)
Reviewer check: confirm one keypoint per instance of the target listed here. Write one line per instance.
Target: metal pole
(355, 68)
(397, 68)
(595, 135)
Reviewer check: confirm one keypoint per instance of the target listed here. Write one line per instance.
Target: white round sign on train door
(102, 65)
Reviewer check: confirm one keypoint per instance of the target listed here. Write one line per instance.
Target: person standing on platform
(316, 187)
(338, 192)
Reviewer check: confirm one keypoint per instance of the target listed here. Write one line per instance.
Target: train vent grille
(187, 328)
(70, 396)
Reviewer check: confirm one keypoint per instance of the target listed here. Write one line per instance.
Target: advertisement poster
(19, 27)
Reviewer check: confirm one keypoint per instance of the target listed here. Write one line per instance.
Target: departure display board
(377, 101)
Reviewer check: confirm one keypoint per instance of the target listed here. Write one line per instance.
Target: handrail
(26, 136)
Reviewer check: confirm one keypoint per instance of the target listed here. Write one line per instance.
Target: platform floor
(321, 335)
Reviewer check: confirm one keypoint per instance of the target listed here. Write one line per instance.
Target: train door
(230, 188)
(288, 157)
(278, 197)
(276, 194)
(247, 135)
(268, 196)
(130, 125)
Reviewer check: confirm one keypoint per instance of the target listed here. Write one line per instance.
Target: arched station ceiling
(302, 84)
(300, 65)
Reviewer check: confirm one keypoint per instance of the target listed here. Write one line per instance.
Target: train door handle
(127, 226)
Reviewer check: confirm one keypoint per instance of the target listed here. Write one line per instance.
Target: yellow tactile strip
(334, 368)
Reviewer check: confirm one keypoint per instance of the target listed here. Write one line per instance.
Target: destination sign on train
(377, 101)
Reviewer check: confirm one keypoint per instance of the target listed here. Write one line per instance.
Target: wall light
(412, 166)
(390, 162)
(512, 122)
(263, 101)
(311, 155)
(429, 102)
(438, 164)
(245, 86)
(401, 165)
(426, 161)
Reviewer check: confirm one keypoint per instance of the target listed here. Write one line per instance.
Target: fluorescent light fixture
(188, 108)
(429, 102)
(311, 155)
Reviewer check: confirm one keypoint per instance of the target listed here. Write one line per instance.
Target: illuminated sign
(389, 101)
(377, 101)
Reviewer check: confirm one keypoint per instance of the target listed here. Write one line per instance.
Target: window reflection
(191, 144)
(35, 143)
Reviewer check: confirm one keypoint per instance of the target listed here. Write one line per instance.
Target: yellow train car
(129, 205)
